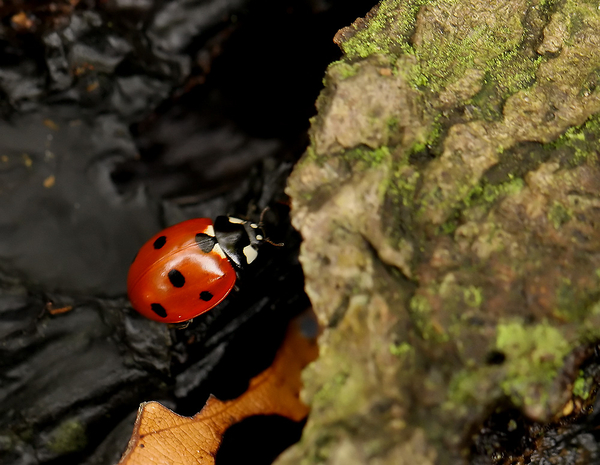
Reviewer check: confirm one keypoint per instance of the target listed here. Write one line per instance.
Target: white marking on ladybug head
(236, 220)
(253, 225)
(210, 231)
(250, 253)
(217, 248)
(259, 237)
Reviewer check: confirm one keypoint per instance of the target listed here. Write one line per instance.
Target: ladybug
(189, 268)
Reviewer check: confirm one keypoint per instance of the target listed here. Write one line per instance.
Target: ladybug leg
(182, 325)
(276, 244)
(238, 277)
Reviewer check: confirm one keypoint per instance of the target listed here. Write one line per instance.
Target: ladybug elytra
(189, 268)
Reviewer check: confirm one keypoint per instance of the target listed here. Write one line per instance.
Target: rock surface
(449, 207)
(118, 118)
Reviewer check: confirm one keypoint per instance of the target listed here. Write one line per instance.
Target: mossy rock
(449, 205)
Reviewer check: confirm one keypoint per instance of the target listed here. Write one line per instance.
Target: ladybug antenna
(262, 215)
(261, 224)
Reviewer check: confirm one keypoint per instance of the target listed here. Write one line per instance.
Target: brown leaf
(162, 437)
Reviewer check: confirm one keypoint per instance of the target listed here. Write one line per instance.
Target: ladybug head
(239, 239)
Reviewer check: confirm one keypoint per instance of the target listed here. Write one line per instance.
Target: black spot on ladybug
(176, 278)
(205, 242)
(142, 446)
(158, 243)
(206, 296)
(159, 310)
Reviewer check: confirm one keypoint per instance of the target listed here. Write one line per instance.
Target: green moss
(421, 315)
(401, 349)
(449, 226)
(340, 70)
(483, 194)
(590, 84)
(438, 199)
(341, 390)
(486, 193)
(321, 450)
(310, 157)
(369, 157)
(68, 437)
(513, 72)
(420, 305)
(488, 102)
(558, 214)
(578, 143)
(393, 123)
(492, 49)
(310, 154)
(582, 387)
(534, 356)
(589, 331)
(386, 32)
(576, 22)
(331, 389)
(442, 64)
(404, 182)
(574, 134)
(547, 4)
(418, 147)
(420, 312)
(467, 386)
(473, 296)
(565, 297)
(379, 155)
(577, 303)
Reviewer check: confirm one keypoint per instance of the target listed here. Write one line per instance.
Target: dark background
(118, 118)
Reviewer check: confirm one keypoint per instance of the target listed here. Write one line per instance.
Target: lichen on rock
(449, 206)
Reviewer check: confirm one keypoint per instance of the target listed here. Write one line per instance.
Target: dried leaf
(162, 437)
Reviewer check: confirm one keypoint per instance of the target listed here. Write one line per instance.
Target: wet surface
(64, 224)
(507, 437)
(117, 119)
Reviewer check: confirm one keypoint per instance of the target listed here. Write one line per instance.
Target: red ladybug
(189, 268)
